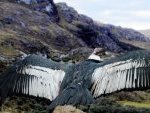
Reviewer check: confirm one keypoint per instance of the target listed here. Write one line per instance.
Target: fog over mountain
(146, 32)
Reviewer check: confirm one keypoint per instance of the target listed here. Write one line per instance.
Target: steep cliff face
(45, 6)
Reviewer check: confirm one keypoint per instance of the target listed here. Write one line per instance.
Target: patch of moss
(8, 51)
(135, 104)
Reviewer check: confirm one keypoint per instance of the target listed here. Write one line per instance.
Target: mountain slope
(32, 26)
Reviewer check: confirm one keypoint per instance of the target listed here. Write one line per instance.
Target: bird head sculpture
(96, 55)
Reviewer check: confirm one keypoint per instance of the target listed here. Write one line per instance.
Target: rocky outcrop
(122, 33)
(45, 6)
(70, 14)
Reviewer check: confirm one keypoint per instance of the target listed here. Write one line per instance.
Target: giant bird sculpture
(76, 83)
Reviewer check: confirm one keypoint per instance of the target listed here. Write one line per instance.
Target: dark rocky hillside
(41, 26)
(60, 32)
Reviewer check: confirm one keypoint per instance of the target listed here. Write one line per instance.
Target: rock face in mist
(146, 32)
(40, 26)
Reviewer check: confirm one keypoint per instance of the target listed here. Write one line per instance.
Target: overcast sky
(126, 13)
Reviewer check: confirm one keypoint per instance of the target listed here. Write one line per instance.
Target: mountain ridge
(29, 28)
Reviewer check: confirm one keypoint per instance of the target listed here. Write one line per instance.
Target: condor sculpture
(76, 83)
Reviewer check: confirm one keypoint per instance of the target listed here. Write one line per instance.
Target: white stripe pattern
(39, 81)
(120, 75)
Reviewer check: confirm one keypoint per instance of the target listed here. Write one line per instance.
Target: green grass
(135, 104)
(8, 51)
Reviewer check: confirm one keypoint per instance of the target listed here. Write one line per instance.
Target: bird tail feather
(75, 94)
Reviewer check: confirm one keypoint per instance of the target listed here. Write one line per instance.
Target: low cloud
(142, 13)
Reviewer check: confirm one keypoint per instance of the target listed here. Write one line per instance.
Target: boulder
(67, 109)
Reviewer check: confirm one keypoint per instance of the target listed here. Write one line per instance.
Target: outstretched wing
(129, 71)
(33, 76)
